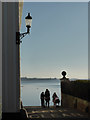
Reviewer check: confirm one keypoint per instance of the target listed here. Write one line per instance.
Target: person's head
(55, 94)
(46, 89)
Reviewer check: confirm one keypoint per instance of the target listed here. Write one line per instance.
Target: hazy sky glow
(55, 0)
(58, 40)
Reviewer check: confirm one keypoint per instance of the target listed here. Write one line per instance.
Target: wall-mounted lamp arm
(23, 35)
(19, 36)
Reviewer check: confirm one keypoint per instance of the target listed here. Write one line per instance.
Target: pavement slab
(55, 113)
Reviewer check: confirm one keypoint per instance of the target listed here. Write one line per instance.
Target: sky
(55, 0)
(58, 40)
(45, 0)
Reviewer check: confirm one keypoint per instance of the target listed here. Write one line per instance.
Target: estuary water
(31, 90)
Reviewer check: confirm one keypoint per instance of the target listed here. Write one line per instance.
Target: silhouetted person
(47, 97)
(55, 99)
(54, 95)
(42, 96)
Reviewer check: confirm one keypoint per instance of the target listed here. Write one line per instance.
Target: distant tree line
(25, 78)
(78, 88)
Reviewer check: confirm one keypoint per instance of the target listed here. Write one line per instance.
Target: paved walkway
(54, 113)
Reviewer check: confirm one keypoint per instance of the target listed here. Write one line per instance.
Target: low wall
(75, 94)
(75, 102)
(78, 88)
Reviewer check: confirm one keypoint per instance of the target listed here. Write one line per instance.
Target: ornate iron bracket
(19, 36)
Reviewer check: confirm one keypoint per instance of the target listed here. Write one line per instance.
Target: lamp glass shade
(28, 20)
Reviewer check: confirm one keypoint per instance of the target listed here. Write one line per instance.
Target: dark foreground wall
(78, 88)
(75, 94)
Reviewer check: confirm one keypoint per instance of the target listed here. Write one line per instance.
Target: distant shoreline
(71, 79)
(24, 78)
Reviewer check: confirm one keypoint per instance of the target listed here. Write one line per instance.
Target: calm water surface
(31, 89)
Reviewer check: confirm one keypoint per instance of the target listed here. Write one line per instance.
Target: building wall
(0, 59)
(10, 58)
(20, 13)
(0, 50)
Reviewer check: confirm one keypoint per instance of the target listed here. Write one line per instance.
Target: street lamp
(19, 36)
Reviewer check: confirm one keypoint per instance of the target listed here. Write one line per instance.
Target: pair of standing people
(45, 97)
